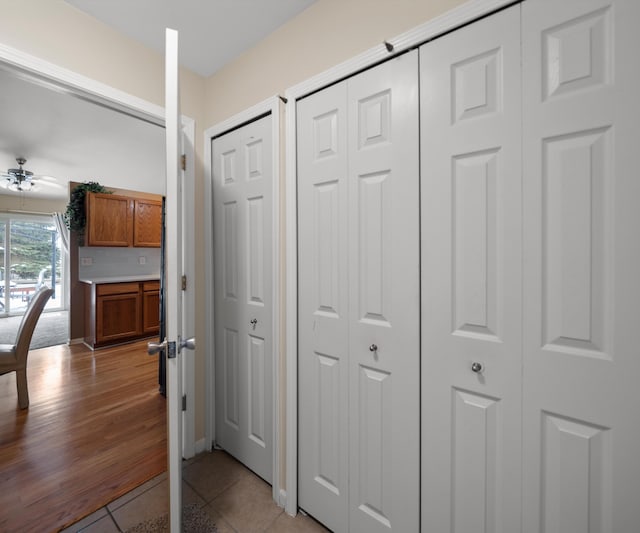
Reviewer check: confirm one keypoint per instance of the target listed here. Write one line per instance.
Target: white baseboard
(201, 446)
(282, 498)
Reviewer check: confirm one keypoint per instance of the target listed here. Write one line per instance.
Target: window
(30, 256)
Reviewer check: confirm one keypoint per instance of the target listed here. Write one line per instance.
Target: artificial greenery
(75, 216)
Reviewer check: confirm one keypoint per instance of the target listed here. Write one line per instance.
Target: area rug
(51, 329)
(194, 520)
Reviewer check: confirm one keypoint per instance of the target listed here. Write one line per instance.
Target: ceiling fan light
(20, 184)
(19, 179)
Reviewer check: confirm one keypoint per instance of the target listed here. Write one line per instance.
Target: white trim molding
(463, 14)
(64, 80)
(189, 303)
(270, 106)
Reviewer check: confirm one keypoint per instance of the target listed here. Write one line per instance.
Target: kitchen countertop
(120, 279)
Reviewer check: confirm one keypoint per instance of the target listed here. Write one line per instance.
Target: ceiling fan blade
(50, 184)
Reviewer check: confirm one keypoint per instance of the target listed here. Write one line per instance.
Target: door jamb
(66, 81)
(454, 18)
(274, 107)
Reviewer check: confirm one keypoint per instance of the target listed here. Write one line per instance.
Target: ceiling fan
(22, 180)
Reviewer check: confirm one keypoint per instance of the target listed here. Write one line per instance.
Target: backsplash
(98, 262)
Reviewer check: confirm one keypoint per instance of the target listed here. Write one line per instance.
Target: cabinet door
(109, 220)
(151, 307)
(147, 223)
(118, 316)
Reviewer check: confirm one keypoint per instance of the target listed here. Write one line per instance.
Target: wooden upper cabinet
(109, 220)
(114, 220)
(147, 223)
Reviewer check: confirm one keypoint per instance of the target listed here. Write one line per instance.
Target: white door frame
(273, 107)
(463, 14)
(64, 80)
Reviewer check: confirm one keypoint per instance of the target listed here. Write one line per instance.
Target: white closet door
(323, 347)
(359, 301)
(243, 299)
(471, 277)
(582, 259)
(384, 298)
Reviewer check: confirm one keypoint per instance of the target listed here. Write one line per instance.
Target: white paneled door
(471, 277)
(581, 264)
(358, 196)
(175, 305)
(242, 190)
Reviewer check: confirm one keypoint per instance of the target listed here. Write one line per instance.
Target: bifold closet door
(471, 277)
(358, 245)
(581, 266)
(242, 198)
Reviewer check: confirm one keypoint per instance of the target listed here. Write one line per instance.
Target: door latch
(171, 349)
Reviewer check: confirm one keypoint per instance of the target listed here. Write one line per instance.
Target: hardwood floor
(95, 429)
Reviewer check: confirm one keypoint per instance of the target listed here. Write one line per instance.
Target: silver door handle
(254, 322)
(189, 344)
(477, 367)
(156, 347)
(373, 348)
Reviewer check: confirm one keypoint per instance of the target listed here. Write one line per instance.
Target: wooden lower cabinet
(150, 307)
(121, 312)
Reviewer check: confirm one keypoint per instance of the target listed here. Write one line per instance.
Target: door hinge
(183, 161)
(184, 402)
(184, 283)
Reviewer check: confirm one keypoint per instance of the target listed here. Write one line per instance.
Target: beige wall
(31, 205)
(328, 33)
(324, 35)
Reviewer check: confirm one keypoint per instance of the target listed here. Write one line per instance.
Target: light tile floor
(234, 497)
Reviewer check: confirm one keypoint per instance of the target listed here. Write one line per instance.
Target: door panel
(242, 171)
(384, 259)
(173, 274)
(358, 301)
(471, 277)
(582, 255)
(323, 307)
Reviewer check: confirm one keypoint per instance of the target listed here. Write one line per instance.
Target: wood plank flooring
(95, 429)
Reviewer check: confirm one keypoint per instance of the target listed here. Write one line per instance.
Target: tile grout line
(113, 519)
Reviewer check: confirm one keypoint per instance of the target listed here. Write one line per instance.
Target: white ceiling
(71, 139)
(211, 32)
(74, 140)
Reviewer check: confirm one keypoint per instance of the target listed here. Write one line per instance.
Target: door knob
(254, 322)
(189, 344)
(477, 367)
(373, 348)
(156, 347)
